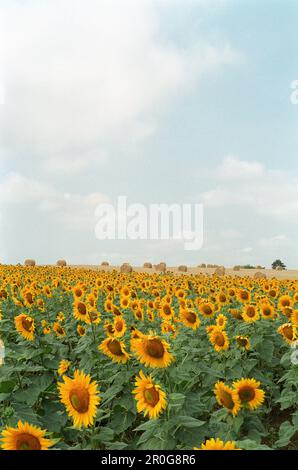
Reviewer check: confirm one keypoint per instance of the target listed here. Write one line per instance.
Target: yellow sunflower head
(219, 339)
(63, 366)
(25, 325)
(152, 351)
(221, 321)
(114, 349)
(81, 397)
(243, 342)
(190, 319)
(151, 399)
(249, 393)
(217, 444)
(81, 330)
(119, 326)
(250, 314)
(288, 332)
(207, 309)
(227, 397)
(24, 437)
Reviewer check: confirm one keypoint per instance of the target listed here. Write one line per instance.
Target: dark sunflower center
(29, 298)
(244, 295)
(207, 310)
(119, 326)
(79, 398)
(82, 308)
(242, 342)
(191, 317)
(155, 348)
(250, 312)
(115, 348)
(219, 339)
(27, 324)
(285, 303)
(26, 441)
(246, 393)
(151, 396)
(166, 310)
(266, 312)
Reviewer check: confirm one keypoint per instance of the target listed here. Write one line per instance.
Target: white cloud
(250, 185)
(68, 211)
(234, 169)
(80, 73)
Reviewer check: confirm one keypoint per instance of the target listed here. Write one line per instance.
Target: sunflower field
(103, 360)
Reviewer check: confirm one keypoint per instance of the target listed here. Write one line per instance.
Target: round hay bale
(29, 262)
(126, 268)
(148, 265)
(236, 268)
(61, 262)
(105, 263)
(220, 271)
(259, 275)
(161, 267)
(182, 268)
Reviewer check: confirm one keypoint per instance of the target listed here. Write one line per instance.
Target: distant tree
(278, 264)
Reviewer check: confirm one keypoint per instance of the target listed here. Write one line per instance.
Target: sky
(163, 101)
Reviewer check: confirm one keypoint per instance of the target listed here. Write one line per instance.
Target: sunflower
(166, 311)
(222, 298)
(63, 366)
(60, 317)
(167, 327)
(150, 315)
(235, 313)
(114, 349)
(124, 302)
(207, 309)
(217, 444)
(243, 342)
(250, 313)
(80, 311)
(243, 295)
(221, 321)
(288, 332)
(285, 301)
(190, 319)
(151, 399)
(249, 392)
(219, 338)
(78, 292)
(227, 397)
(267, 310)
(119, 327)
(59, 330)
(24, 437)
(287, 311)
(152, 351)
(109, 329)
(25, 325)
(80, 396)
(81, 330)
